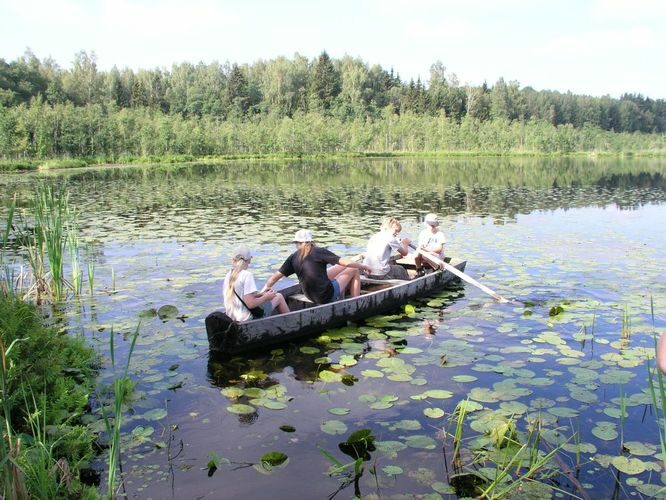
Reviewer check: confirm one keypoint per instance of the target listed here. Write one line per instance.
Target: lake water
(584, 235)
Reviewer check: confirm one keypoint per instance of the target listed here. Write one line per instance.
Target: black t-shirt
(311, 273)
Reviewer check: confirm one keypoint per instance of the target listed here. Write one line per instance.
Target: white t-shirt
(430, 239)
(381, 246)
(244, 284)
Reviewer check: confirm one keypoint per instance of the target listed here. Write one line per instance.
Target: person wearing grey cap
(240, 291)
(431, 241)
(319, 283)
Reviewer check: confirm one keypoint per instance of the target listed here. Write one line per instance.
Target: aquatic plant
(121, 388)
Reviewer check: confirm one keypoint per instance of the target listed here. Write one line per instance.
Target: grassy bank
(46, 379)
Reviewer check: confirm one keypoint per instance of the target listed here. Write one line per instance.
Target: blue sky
(594, 47)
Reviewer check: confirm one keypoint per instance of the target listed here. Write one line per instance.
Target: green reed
(11, 476)
(7, 279)
(90, 264)
(51, 213)
(121, 389)
(73, 245)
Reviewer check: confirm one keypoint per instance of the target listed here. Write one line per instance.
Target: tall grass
(7, 279)
(73, 245)
(11, 475)
(51, 216)
(121, 388)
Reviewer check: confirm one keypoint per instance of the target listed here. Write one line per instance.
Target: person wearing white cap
(319, 283)
(381, 248)
(431, 241)
(240, 291)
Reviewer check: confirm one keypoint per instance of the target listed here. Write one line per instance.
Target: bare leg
(430, 262)
(333, 271)
(280, 304)
(418, 261)
(349, 279)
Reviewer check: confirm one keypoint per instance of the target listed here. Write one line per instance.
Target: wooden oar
(460, 274)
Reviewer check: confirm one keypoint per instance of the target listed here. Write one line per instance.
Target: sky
(593, 47)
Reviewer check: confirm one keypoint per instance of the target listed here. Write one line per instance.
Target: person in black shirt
(319, 283)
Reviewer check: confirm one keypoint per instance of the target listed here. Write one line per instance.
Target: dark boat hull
(265, 332)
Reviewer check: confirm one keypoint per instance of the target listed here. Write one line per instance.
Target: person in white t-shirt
(240, 291)
(382, 246)
(431, 242)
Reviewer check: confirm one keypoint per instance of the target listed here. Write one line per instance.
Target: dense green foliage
(294, 106)
(47, 380)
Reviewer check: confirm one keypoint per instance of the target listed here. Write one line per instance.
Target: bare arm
(255, 299)
(661, 353)
(404, 249)
(353, 264)
(277, 275)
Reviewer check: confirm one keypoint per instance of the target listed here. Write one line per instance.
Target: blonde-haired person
(240, 290)
(431, 242)
(380, 249)
(319, 283)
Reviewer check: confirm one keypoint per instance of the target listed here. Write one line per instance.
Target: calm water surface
(583, 235)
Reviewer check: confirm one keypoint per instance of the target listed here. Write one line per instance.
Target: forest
(298, 106)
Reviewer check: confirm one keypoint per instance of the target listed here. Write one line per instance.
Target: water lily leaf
(372, 373)
(155, 414)
(464, 378)
(638, 448)
(241, 409)
(561, 411)
(287, 428)
(329, 376)
(438, 394)
(254, 392)
(433, 412)
(324, 360)
(148, 313)
(407, 425)
(339, 411)
(274, 405)
(333, 427)
(628, 465)
(274, 458)
(392, 470)
(347, 360)
(421, 441)
(309, 350)
(409, 309)
(167, 311)
(390, 448)
(443, 488)
(605, 430)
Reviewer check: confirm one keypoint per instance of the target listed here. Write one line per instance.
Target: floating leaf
(464, 378)
(241, 409)
(628, 465)
(392, 470)
(333, 427)
(605, 431)
(309, 350)
(155, 414)
(433, 412)
(372, 373)
(329, 376)
(438, 394)
(339, 411)
(167, 311)
(287, 428)
(274, 458)
(421, 441)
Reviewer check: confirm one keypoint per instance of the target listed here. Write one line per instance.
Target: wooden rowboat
(306, 318)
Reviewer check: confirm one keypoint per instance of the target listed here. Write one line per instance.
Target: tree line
(49, 111)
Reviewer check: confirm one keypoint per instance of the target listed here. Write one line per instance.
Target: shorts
(336, 290)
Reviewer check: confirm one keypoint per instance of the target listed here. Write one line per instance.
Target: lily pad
(628, 465)
(167, 311)
(241, 409)
(333, 427)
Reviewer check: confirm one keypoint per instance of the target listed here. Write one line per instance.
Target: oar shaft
(460, 274)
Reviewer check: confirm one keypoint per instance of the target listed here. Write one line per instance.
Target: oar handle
(454, 270)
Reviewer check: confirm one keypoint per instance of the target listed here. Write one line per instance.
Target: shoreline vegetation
(141, 137)
(297, 108)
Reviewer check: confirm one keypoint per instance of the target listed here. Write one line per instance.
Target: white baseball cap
(431, 219)
(241, 252)
(303, 236)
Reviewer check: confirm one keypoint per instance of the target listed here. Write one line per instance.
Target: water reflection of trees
(501, 187)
